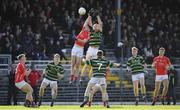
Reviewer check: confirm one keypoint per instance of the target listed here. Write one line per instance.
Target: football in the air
(82, 11)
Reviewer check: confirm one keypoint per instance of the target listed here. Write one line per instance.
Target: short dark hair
(20, 56)
(100, 53)
(57, 55)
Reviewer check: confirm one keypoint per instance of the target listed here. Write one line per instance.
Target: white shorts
(137, 77)
(96, 87)
(77, 51)
(19, 85)
(92, 51)
(47, 82)
(100, 81)
(160, 78)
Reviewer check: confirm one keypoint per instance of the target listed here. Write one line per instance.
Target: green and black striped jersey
(53, 70)
(99, 66)
(95, 39)
(136, 64)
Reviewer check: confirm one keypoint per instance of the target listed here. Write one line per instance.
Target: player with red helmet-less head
(161, 64)
(21, 73)
(78, 48)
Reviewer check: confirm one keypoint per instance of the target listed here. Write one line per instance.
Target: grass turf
(96, 107)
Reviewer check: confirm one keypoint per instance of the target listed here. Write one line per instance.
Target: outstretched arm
(28, 71)
(83, 41)
(100, 22)
(116, 65)
(88, 22)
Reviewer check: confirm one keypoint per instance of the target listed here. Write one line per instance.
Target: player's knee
(77, 65)
(42, 88)
(54, 92)
(30, 90)
(142, 85)
(135, 89)
(166, 87)
(157, 89)
(91, 92)
(73, 64)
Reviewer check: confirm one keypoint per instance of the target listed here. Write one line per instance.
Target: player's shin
(143, 91)
(163, 96)
(136, 94)
(54, 95)
(91, 94)
(156, 91)
(165, 88)
(104, 96)
(41, 93)
(86, 94)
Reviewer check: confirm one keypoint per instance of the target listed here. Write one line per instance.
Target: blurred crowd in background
(150, 25)
(40, 28)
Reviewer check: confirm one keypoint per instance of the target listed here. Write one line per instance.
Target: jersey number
(100, 64)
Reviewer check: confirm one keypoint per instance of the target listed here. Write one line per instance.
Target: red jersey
(82, 35)
(33, 77)
(160, 64)
(20, 72)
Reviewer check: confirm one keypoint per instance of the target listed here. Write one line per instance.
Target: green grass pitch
(95, 107)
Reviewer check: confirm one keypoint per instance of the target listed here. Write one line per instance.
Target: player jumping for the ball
(78, 48)
(95, 38)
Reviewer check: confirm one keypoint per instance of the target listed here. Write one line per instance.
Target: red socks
(73, 78)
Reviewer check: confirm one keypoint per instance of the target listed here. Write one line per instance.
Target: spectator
(141, 20)
(12, 90)
(148, 53)
(33, 79)
(72, 38)
(38, 50)
(58, 50)
(50, 48)
(16, 51)
(60, 37)
(173, 81)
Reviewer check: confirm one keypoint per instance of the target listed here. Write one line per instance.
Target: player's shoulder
(130, 58)
(50, 64)
(139, 56)
(19, 65)
(93, 60)
(166, 58)
(157, 57)
(100, 32)
(60, 64)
